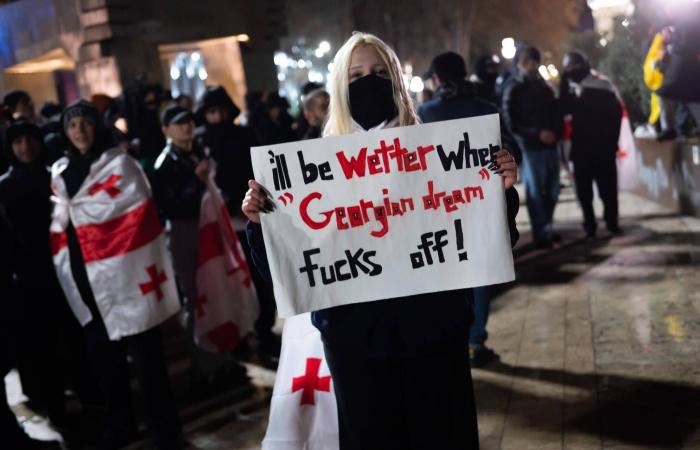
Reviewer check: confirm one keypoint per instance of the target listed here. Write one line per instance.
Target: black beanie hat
(80, 108)
(15, 131)
(21, 128)
(12, 98)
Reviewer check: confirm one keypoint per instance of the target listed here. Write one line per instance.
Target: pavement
(599, 344)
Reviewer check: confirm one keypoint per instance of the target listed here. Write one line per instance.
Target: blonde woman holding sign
(399, 366)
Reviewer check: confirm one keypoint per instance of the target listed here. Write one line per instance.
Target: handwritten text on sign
(384, 214)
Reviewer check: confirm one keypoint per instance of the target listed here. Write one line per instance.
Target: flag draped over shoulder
(122, 242)
(303, 412)
(226, 307)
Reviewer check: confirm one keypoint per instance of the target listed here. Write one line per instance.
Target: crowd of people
(179, 142)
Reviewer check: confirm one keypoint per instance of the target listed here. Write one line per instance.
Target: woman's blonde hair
(339, 118)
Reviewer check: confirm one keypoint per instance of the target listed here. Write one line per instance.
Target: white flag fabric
(303, 412)
(226, 307)
(628, 177)
(122, 242)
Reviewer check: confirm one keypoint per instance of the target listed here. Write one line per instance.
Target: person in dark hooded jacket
(40, 312)
(229, 146)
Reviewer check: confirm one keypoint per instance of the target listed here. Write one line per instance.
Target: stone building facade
(60, 49)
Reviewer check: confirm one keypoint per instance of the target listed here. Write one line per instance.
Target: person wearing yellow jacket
(653, 77)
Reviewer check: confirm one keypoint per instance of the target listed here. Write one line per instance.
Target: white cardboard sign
(384, 214)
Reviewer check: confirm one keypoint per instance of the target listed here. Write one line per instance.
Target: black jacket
(176, 189)
(596, 118)
(529, 106)
(229, 146)
(25, 194)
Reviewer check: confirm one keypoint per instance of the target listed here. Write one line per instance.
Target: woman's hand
(507, 167)
(256, 201)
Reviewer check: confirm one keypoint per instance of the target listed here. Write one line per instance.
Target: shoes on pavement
(480, 355)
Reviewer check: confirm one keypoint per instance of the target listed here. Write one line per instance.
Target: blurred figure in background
(276, 124)
(185, 101)
(41, 317)
(301, 124)
(142, 104)
(12, 436)
(679, 62)
(21, 106)
(596, 115)
(179, 183)
(230, 145)
(487, 69)
(457, 98)
(315, 112)
(530, 110)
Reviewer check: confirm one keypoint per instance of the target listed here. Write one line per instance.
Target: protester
(21, 106)
(679, 64)
(185, 101)
(179, 183)
(301, 124)
(596, 116)
(276, 123)
(111, 260)
(315, 112)
(485, 75)
(12, 436)
(41, 319)
(230, 147)
(142, 110)
(530, 110)
(456, 98)
(228, 143)
(409, 371)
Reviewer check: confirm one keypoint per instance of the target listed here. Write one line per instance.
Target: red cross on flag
(109, 186)
(303, 413)
(122, 243)
(227, 305)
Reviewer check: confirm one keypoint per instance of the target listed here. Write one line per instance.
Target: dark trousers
(266, 300)
(11, 435)
(37, 334)
(604, 174)
(110, 367)
(420, 403)
(482, 303)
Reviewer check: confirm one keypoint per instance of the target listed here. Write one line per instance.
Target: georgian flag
(122, 242)
(226, 307)
(303, 412)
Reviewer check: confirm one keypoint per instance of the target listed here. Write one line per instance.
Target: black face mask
(372, 101)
